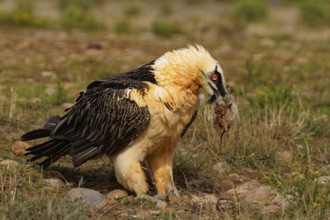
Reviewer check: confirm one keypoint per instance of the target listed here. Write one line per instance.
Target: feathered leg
(129, 173)
(161, 164)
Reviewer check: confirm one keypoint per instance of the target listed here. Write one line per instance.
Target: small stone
(240, 191)
(19, 148)
(117, 194)
(9, 163)
(54, 182)
(87, 197)
(161, 205)
(261, 194)
(323, 180)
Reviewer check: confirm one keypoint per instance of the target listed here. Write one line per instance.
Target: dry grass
(281, 85)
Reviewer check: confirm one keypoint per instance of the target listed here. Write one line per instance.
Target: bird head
(193, 67)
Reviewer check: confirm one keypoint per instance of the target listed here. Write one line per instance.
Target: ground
(279, 70)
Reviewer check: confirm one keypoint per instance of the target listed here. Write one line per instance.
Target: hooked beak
(220, 95)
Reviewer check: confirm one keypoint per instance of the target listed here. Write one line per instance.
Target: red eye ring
(214, 76)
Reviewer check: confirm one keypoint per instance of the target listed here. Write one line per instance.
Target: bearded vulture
(134, 117)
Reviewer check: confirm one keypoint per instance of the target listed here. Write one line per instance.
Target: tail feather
(43, 132)
(57, 155)
(52, 149)
(35, 134)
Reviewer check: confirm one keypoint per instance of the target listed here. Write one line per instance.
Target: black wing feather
(102, 121)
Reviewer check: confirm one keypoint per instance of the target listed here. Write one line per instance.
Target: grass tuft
(23, 16)
(250, 10)
(75, 17)
(165, 28)
(315, 12)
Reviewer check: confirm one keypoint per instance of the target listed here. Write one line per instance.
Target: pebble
(117, 194)
(87, 197)
(19, 148)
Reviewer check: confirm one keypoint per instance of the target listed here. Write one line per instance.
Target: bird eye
(214, 76)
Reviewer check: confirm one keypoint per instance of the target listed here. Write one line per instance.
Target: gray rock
(87, 197)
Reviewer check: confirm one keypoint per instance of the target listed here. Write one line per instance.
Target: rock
(161, 205)
(87, 197)
(19, 148)
(54, 182)
(239, 192)
(323, 180)
(117, 194)
(259, 195)
(221, 168)
(9, 163)
(253, 194)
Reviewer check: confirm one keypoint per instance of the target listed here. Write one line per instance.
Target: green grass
(75, 17)
(250, 10)
(23, 16)
(166, 28)
(315, 13)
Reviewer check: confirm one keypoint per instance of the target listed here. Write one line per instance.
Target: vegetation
(250, 10)
(165, 28)
(280, 81)
(315, 12)
(23, 15)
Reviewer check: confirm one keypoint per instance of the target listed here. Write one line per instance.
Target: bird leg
(161, 164)
(130, 174)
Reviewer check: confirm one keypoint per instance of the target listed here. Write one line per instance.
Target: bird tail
(35, 134)
(52, 149)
